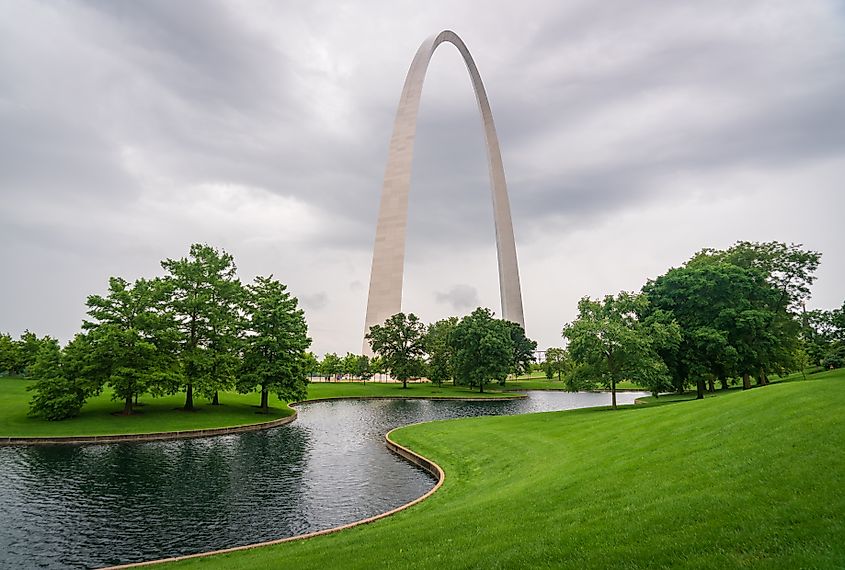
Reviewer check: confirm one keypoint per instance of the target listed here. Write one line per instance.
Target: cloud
(263, 127)
(459, 297)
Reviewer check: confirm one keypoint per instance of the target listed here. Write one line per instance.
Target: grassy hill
(751, 479)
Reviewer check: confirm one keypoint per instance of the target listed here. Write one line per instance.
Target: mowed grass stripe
(752, 479)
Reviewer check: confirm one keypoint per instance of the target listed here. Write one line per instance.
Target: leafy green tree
(10, 357)
(823, 335)
(132, 339)
(29, 346)
(557, 362)
(60, 388)
(205, 296)
(362, 367)
(312, 365)
(331, 366)
(483, 349)
(613, 344)
(399, 342)
(349, 365)
(441, 367)
(522, 349)
(275, 351)
(789, 272)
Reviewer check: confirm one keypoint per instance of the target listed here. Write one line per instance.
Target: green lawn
(753, 479)
(157, 414)
(163, 414)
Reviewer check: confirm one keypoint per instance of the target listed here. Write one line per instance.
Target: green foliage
(131, 339)
(275, 357)
(330, 366)
(204, 297)
(483, 349)
(612, 343)
(737, 310)
(17, 356)
(399, 342)
(557, 362)
(59, 392)
(9, 355)
(522, 349)
(441, 366)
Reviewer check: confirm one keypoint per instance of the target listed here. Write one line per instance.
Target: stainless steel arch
(385, 295)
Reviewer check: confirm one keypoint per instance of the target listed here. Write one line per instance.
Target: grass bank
(164, 414)
(751, 480)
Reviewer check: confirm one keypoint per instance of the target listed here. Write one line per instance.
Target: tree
(556, 362)
(612, 344)
(441, 366)
(399, 342)
(10, 357)
(275, 351)
(312, 365)
(60, 389)
(330, 366)
(483, 349)
(363, 369)
(789, 271)
(132, 339)
(349, 365)
(205, 295)
(522, 349)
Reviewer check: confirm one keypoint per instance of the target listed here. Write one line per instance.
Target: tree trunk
(711, 385)
(265, 405)
(613, 392)
(404, 382)
(481, 387)
(699, 386)
(127, 406)
(189, 398)
(215, 401)
(746, 381)
(724, 382)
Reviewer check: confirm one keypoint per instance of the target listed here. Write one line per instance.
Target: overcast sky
(633, 134)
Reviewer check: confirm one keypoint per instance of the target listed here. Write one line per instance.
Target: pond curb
(155, 436)
(400, 450)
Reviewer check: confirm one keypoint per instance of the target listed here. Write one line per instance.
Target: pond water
(97, 505)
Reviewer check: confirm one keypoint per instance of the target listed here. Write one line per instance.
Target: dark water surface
(96, 505)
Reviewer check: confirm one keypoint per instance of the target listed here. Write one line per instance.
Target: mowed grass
(754, 479)
(156, 414)
(165, 414)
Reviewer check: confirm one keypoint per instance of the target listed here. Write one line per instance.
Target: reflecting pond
(96, 505)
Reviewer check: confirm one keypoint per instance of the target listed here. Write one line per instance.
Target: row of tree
(198, 330)
(473, 351)
(734, 313)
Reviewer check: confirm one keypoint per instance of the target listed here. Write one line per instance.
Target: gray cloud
(460, 297)
(130, 129)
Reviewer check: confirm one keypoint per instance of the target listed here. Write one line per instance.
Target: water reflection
(89, 506)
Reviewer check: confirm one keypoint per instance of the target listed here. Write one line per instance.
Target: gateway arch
(385, 294)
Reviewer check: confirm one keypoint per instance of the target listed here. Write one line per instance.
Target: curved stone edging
(154, 436)
(400, 450)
